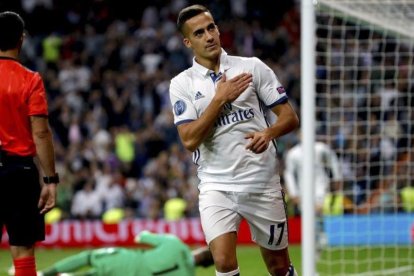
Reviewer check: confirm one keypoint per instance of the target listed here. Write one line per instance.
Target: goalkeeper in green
(169, 256)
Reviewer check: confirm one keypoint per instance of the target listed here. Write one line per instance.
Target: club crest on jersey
(179, 107)
(281, 90)
(198, 95)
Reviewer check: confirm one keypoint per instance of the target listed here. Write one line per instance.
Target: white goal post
(358, 97)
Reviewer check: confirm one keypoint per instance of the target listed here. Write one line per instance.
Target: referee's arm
(42, 137)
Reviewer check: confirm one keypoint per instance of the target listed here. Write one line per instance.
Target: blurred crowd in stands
(365, 104)
(107, 66)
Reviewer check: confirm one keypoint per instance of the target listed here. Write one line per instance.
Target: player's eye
(198, 33)
(211, 27)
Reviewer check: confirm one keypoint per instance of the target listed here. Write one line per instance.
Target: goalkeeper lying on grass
(169, 256)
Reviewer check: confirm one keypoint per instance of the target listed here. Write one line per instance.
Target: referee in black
(24, 136)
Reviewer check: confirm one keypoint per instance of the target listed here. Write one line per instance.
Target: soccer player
(327, 172)
(327, 183)
(169, 256)
(219, 107)
(24, 134)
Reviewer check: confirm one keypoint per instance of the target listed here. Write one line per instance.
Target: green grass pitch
(249, 259)
(355, 261)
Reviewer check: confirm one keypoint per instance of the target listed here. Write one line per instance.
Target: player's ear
(19, 46)
(218, 31)
(187, 42)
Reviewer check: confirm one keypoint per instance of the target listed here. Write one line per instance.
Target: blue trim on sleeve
(284, 99)
(196, 156)
(183, 122)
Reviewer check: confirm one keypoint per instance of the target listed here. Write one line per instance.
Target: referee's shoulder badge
(281, 90)
(179, 107)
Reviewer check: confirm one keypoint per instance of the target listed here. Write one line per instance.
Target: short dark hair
(187, 13)
(11, 30)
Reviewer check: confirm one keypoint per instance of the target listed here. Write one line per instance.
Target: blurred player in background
(328, 184)
(24, 134)
(326, 168)
(219, 109)
(169, 256)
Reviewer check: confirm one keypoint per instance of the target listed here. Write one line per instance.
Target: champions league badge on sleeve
(281, 90)
(179, 107)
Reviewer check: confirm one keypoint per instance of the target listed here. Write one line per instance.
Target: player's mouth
(211, 46)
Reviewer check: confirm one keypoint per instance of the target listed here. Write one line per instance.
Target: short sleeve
(183, 108)
(37, 102)
(268, 87)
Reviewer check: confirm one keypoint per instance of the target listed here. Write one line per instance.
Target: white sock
(235, 272)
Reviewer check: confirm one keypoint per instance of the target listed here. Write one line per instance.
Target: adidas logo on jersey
(198, 95)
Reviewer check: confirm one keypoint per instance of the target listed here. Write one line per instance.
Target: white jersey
(223, 162)
(326, 168)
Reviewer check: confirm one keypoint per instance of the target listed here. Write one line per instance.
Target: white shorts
(221, 212)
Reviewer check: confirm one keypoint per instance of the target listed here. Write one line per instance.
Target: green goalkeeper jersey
(168, 257)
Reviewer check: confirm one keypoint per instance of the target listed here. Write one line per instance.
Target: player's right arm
(194, 132)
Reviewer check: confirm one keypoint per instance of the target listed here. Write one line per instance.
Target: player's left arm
(334, 164)
(287, 120)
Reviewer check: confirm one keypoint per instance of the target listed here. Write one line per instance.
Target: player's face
(202, 35)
